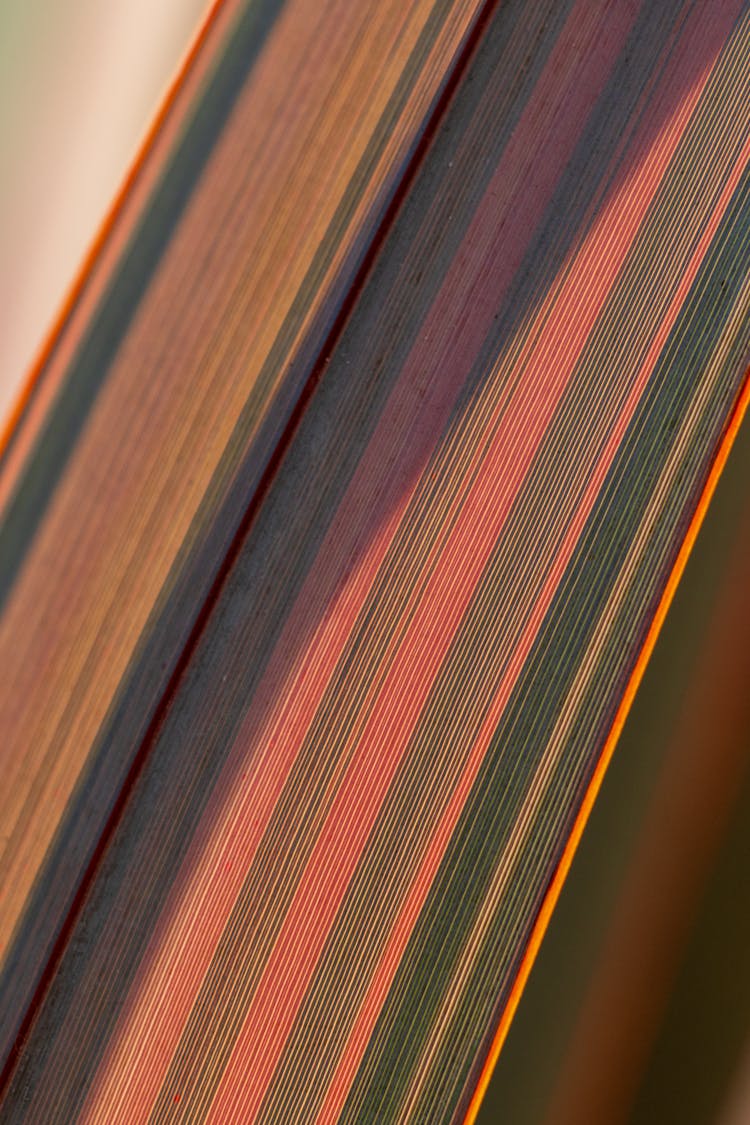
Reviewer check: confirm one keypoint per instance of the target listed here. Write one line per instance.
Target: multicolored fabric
(333, 530)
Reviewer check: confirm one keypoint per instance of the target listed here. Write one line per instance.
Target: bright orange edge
(553, 893)
(76, 287)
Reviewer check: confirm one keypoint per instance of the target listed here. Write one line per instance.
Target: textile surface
(333, 530)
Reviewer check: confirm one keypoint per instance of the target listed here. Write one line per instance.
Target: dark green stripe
(517, 748)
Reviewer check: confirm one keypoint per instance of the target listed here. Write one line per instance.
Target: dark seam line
(347, 306)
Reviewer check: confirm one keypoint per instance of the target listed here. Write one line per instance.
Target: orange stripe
(233, 851)
(484, 510)
(384, 975)
(636, 676)
(411, 441)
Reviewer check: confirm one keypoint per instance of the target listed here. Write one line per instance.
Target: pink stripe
(321, 890)
(416, 413)
(384, 974)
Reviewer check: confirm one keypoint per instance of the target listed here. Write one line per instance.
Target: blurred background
(638, 1009)
(79, 83)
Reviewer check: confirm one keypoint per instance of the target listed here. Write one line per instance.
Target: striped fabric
(335, 525)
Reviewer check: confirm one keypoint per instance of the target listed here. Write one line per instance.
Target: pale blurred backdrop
(79, 83)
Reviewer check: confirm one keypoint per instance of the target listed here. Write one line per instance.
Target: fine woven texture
(318, 889)
(168, 392)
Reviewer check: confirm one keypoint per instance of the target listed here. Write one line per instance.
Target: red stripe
(361, 531)
(381, 746)
(386, 969)
(322, 888)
